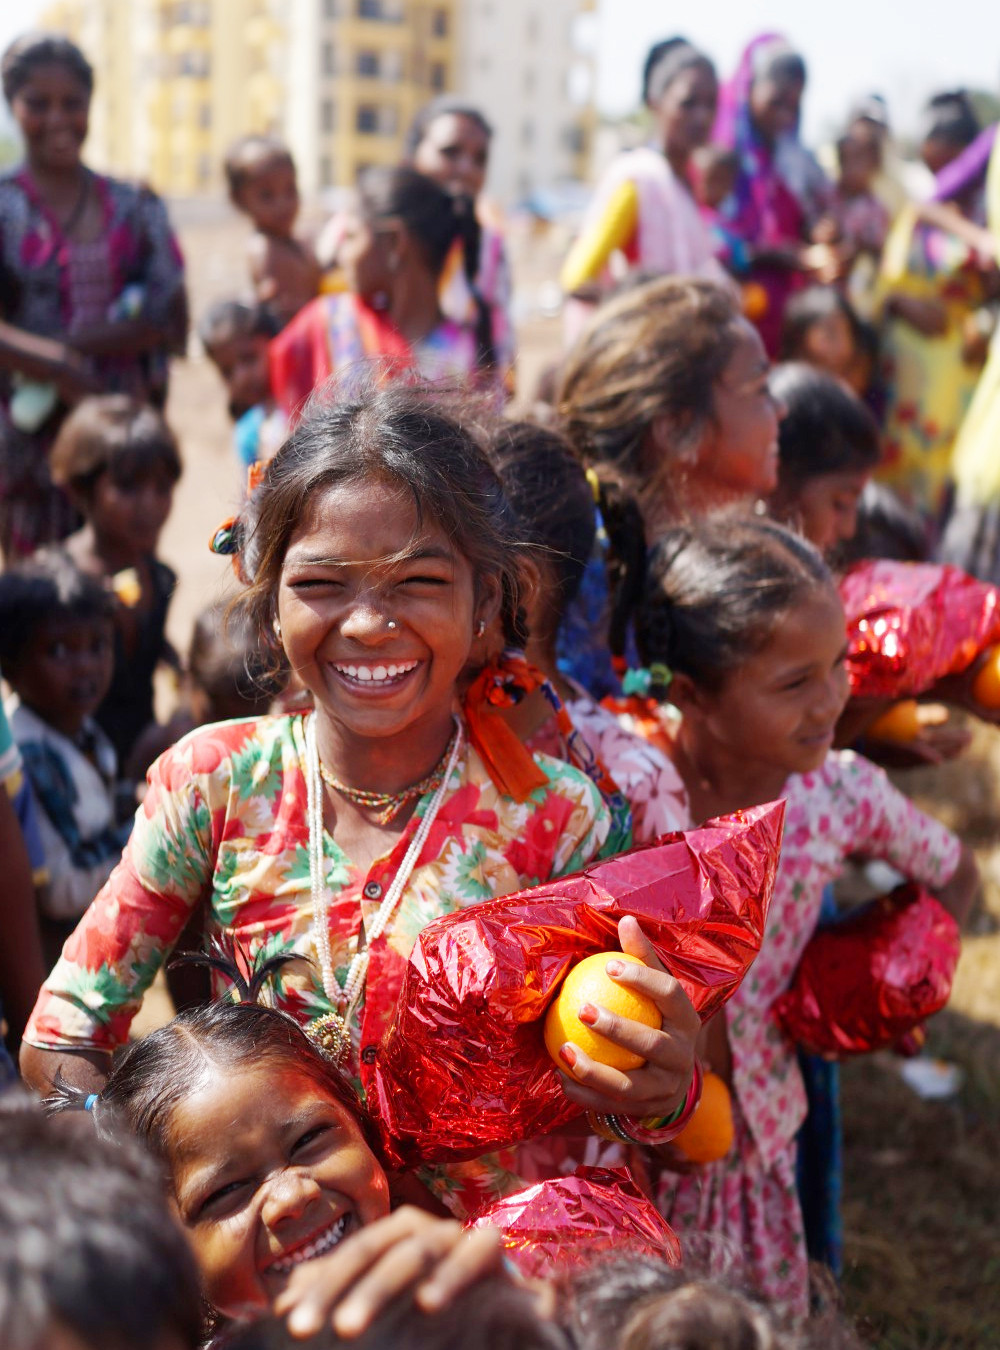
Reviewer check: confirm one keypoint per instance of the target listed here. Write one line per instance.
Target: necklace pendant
(331, 1035)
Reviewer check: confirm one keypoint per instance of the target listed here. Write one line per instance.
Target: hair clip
(228, 537)
(644, 679)
(91, 1101)
(595, 488)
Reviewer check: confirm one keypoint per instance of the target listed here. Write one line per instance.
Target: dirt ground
(922, 1183)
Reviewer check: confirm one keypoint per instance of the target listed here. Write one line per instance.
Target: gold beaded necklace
(387, 805)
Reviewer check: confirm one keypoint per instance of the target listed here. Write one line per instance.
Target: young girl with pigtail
(743, 622)
(376, 551)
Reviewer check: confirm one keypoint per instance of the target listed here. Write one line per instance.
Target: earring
(480, 628)
(392, 625)
(276, 625)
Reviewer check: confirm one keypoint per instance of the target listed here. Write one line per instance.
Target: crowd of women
(468, 655)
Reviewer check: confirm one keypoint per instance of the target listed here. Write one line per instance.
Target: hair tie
(227, 538)
(643, 679)
(91, 1101)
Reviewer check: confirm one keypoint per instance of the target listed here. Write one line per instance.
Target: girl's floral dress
(223, 826)
(51, 286)
(749, 1198)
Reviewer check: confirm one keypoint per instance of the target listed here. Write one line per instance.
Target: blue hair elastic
(91, 1101)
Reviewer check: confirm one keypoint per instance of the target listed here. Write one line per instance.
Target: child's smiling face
(377, 611)
(269, 1170)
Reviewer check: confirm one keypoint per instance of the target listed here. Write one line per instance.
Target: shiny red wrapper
(867, 981)
(561, 1226)
(911, 624)
(463, 1068)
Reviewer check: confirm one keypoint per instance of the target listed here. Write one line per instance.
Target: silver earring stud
(480, 628)
(392, 624)
(276, 625)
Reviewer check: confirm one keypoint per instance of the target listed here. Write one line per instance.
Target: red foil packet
(866, 982)
(911, 624)
(565, 1224)
(463, 1068)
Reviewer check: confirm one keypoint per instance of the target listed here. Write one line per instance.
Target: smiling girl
(377, 553)
(746, 619)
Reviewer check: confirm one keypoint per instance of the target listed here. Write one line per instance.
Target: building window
(327, 115)
(439, 23)
(325, 171)
(367, 64)
(205, 116)
(370, 9)
(439, 77)
(366, 119)
(330, 8)
(329, 59)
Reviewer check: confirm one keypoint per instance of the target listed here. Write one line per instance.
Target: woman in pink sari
(395, 244)
(780, 190)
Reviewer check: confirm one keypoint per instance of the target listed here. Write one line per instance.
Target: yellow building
(179, 80)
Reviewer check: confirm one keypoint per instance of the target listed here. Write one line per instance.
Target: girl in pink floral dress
(747, 618)
(377, 553)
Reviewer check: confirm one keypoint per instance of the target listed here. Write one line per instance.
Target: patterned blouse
(47, 284)
(224, 824)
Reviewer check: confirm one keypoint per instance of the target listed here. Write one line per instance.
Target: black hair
(411, 438)
(951, 117)
(435, 218)
(230, 664)
(637, 1302)
(32, 50)
(778, 62)
(228, 319)
(683, 54)
(247, 155)
(114, 434)
(552, 502)
(47, 586)
(886, 529)
(492, 1314)
(826, 428)
(808, 307)
(716, 590)
(447, 105)
(87, 1243)
(151, 1076)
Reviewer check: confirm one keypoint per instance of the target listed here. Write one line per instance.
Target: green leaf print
(253, 775)
(470, 878)
(100, 992)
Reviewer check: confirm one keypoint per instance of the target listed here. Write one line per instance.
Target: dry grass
(922, 1179)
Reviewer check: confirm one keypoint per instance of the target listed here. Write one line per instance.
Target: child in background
(747, 618)
(119, 461)
(553, 505)
(260, 173)
(56, 630)
(856, 221)
(821, 328)
(236, 338)
(716, 170)
(90, 1256)
(230, 670)
(828, 447)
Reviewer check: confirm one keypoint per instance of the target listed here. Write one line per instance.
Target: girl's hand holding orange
(657, 1088)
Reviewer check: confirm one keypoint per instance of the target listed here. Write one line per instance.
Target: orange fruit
(901, 722)
(708, 1135)
(754, 300)
(986, 685)
(589, 982)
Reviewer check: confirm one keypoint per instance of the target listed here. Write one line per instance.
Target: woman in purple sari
(780, 190)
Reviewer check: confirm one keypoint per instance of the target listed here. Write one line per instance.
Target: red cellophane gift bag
(463, 1069)
(911, 624)
(865, 982)
(569, 1222)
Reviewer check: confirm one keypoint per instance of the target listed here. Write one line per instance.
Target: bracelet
(651, 1130)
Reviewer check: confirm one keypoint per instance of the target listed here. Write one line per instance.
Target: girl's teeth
(324, 1243)
(367, 674)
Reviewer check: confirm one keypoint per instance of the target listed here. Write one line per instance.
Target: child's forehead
(374, 522)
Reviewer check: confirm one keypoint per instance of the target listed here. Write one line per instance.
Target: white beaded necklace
(345, 996)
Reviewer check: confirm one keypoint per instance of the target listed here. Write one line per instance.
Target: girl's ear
(685, 694)
(489, 599)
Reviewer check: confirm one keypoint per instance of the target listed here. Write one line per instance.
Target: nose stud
(392, 624)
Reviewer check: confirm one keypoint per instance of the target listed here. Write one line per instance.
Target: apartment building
(340, 80)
